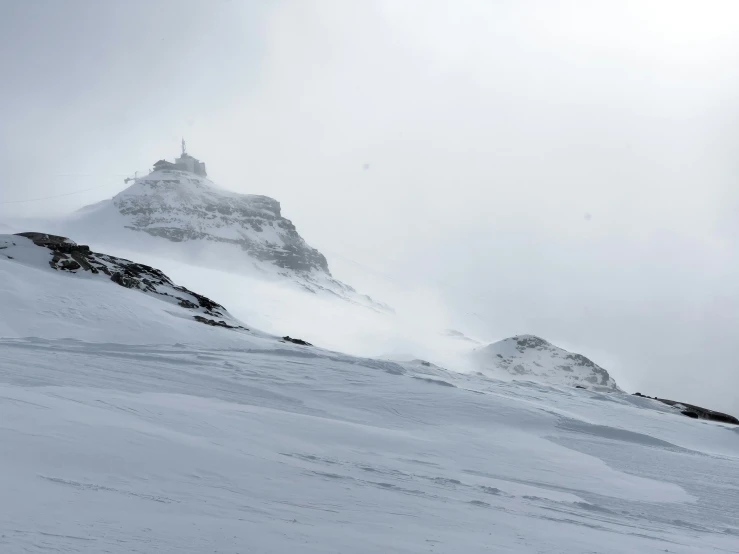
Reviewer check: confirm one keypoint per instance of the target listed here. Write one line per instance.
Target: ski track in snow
(125, 448)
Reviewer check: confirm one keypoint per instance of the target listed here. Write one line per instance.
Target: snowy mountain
(181, 206)
(180, 213)
(530, 357)
(130, 424)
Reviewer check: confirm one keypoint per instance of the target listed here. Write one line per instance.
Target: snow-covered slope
(181, 214)
(128, 426)
(52, 287)
(530, 357)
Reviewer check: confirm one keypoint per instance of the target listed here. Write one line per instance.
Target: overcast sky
(563, 168)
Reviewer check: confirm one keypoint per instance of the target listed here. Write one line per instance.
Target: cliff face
(181, 206)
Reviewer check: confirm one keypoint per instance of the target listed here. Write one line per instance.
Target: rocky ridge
(693, 411)
(66, 255)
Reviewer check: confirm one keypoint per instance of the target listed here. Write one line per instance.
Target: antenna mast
(183, 146)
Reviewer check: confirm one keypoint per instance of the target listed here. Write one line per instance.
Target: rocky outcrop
(214, 323)
(296, 341)
(180, 206)
(67, 255)
(528, 356)
(693, 411)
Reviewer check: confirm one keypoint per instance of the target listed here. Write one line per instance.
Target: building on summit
(163, 164)
(187, 163)
(184, 163)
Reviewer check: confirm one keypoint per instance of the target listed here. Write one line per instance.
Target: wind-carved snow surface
(188, 216)
(127, 426)
(530, 357)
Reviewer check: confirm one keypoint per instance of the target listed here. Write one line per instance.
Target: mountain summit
(177, 203)
(528, 356)
(182, 206)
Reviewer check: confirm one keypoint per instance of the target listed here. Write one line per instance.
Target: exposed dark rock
(296, 341)
(68, 255)
(205, 302)
(693, 411)
(69, 265)
(187, 304)
(72, 257)
(214, 323)
(124, 280)
(53, 242)
(580, 387)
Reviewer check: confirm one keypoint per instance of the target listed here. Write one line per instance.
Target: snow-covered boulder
(531, 357)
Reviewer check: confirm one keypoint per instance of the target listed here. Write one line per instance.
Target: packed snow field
(128, 426)
(277, 448)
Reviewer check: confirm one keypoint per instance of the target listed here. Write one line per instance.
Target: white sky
(562, 168)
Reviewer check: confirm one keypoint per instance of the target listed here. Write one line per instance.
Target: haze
(566, 169)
